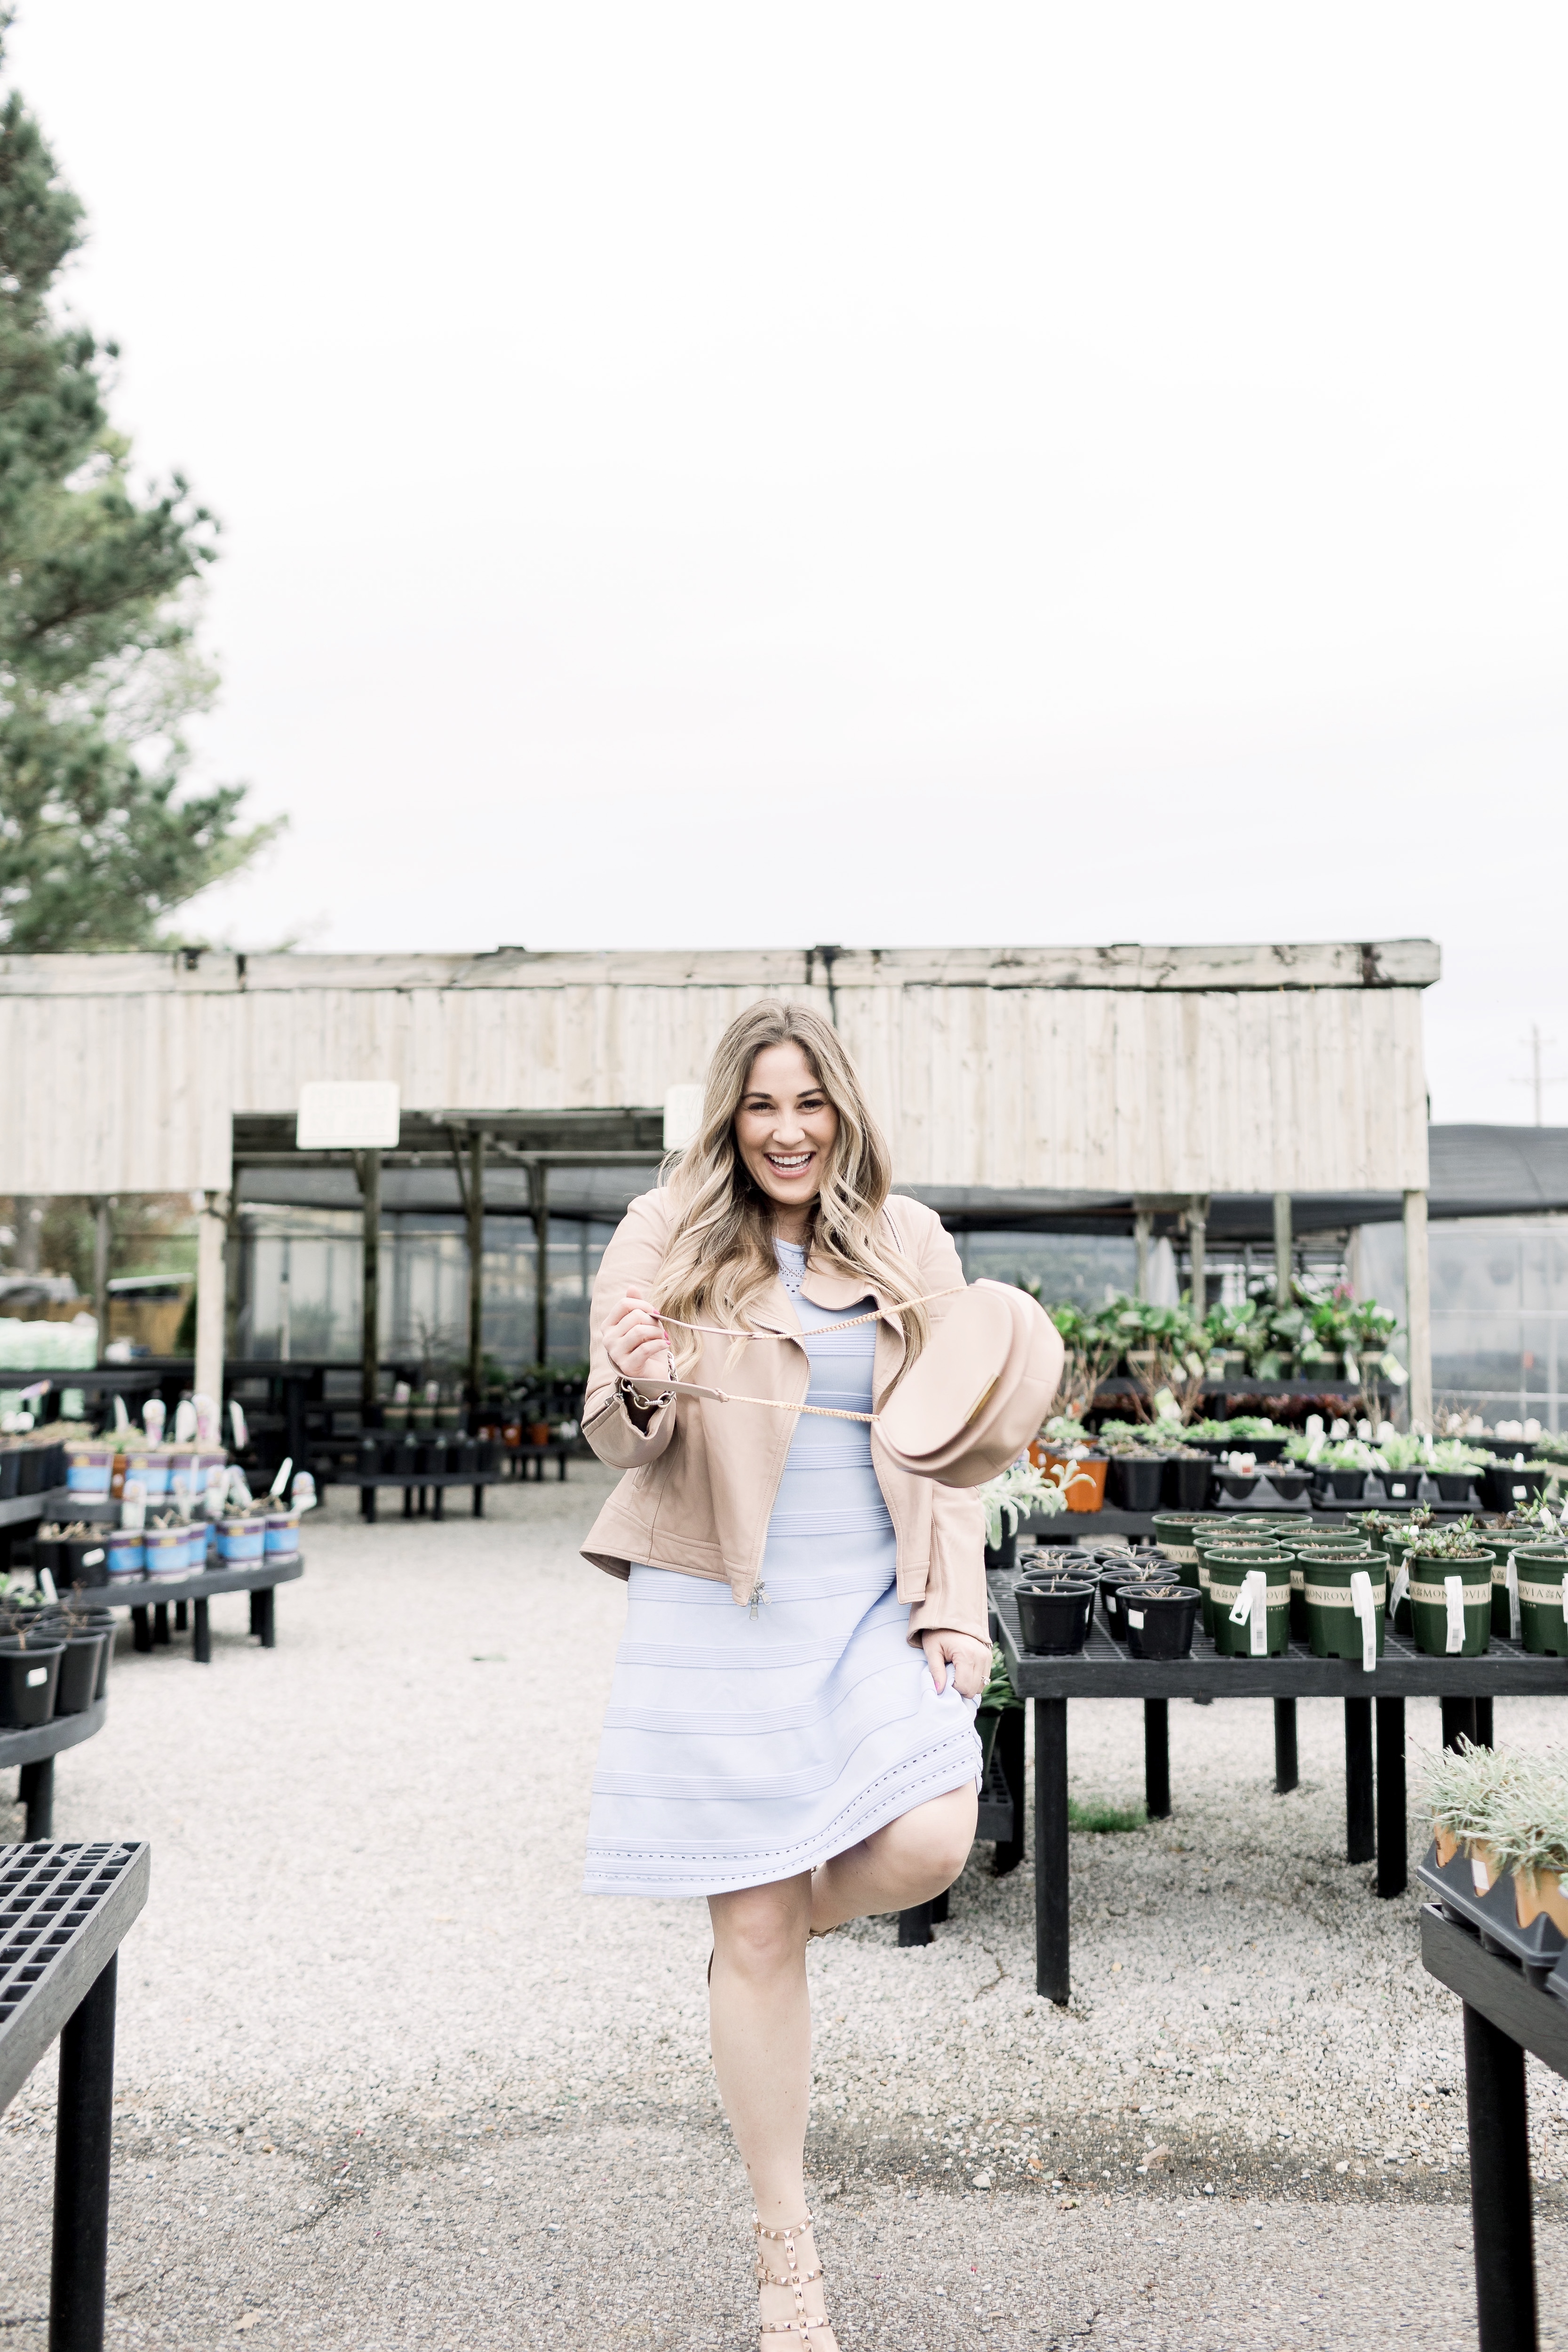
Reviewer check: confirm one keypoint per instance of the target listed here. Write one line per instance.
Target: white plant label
(1514, 1627)
(1366, 1609)
(46, 1585)
(1454, 1591)
(1135, 1617)
(1401, 1586)
(91, 1559)
(1479, 1873)
(36, 1675)
(1258, 1586)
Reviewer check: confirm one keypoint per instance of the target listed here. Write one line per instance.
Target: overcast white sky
(699, 474)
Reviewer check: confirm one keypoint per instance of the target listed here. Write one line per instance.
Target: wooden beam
(212, 1298)
(539, 1179)
(369, 1166)
(1283, 1246)
(1418, 1311)
(475, 1204)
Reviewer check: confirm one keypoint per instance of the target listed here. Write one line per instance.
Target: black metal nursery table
(64, 1910)
(1466, 1686)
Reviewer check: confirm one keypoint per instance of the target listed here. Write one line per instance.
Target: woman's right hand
(636, 1344)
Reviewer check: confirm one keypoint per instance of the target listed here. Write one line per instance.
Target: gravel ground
(386, 2078)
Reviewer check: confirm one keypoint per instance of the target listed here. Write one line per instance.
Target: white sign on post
(349, 1115)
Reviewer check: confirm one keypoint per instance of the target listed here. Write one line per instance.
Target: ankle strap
(794, 2229)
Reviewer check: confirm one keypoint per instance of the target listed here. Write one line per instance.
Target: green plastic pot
(1543, 1629)
(1228, 1571)
(1174, 1533)
(1308, 1549)
(1397, 1543)
(1333, 1629)
(1500, 1545)
(1207, 1544)
(1429, 1606)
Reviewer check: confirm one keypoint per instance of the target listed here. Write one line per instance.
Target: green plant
(1103, 1818)
(1020, 1490)
(998, 1697)
(1526, 1814)
(1452, 1456)
(1456, 1541)
(1462, 1786)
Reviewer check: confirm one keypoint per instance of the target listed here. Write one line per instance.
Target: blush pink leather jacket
(700, 1481)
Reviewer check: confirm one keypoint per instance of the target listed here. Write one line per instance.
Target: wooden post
(476, 1207)
(212, 1298)
(1282, 1244)
(102, 1234)
(1142, 1226)
(1418, 1311)
(369, 1166)
(539, 1177)
(1197, 1245)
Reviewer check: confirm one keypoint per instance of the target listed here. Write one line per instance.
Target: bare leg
(759, 2028)
(908, 1861)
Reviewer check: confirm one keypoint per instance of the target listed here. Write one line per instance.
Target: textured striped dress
(742, 1746)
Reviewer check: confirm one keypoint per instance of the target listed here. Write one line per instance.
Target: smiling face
(785, 1129)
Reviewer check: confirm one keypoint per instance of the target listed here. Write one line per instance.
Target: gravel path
(386, 2078)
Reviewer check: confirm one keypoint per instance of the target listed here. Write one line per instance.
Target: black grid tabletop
(1103, 1669)
(63, 1911)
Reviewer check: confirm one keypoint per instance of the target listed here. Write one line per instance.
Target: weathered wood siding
(1129, 1069)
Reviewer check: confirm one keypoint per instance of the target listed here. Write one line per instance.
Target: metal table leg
(1009, 1753)
(1393, 1858)
(440, 1510)
(182, 1616)
(1052, 1974)
(141, 1629)
(83, 2134)
(1286, 1770)
(161, 1622)
(1458, 1720)
(1157, 1758)
(1360, 1835)
(478, 1502)
(939, 1908)
(201, 1635)
(914, 1925)
(267, 1628)
(1500, 2186)
(1483, 1707)
(38, 1797)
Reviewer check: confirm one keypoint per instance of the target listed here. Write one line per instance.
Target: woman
(791, 1726)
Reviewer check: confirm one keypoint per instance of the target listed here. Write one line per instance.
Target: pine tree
(99, 838)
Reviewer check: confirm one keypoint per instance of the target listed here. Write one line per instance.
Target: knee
(761, 1936)
(931, 1844)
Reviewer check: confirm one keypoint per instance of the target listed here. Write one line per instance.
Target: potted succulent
(1456, 1466)
(1450, 1593)
(1249, 1602)
(1053, 1613)
(1463, 1784)
(1540, 1571)
(1506, 1485)
(1160, 1618)
(1344, 1599)
(1226, 1536)
(30, 1654)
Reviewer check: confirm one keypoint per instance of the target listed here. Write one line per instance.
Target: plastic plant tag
(133, 1505)
(36, 1675)
(46, 1585)
(1454, 1589)
(1135, 1617)
(91, 1558)
(1362, 1603)
(1479, 1873)
(1401, 1585)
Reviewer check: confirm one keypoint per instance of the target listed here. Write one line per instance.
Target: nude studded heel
(814, 2333)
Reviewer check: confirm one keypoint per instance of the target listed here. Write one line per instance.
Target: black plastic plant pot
(46, 1550)
(30, 1469)
(1160, 1622)
(1345, 1485)
(1510, 1483)
(1185, 1485)
(1453, 1485)
(77, 1685)
(1403, 1488)
(1236, 1484)
(10, 1471)
(487, 1460)
(1288, 1482)
(1135, 1481)
(82, 1560)
(1002, 1558)
(29, 1676)
(1262, 1449)
(1055, 1624)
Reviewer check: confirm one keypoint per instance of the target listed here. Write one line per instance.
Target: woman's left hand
(970, 1660)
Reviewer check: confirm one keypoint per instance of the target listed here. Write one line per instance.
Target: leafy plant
(1463, 1785)
(1019, 1491)
(998, 1697)
(1456, 1541)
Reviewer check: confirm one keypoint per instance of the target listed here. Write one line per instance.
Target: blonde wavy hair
(719, 1261)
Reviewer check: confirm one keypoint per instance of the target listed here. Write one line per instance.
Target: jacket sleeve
(632, 1261)
(955, 1599)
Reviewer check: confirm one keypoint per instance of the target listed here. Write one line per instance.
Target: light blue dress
(742, 1746)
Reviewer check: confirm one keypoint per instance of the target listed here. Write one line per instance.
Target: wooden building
(1066, 1083)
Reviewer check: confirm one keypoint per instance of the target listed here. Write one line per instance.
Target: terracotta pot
(539, 1433)
(1085, 1481)
(1537, 1890)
